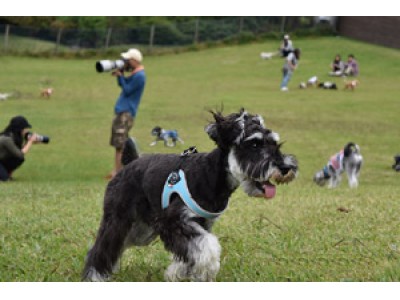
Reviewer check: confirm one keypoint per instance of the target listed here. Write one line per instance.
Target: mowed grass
(51, 212)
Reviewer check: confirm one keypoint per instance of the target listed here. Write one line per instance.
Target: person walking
(289, 67)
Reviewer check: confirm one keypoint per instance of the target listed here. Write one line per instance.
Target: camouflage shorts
(121, 125)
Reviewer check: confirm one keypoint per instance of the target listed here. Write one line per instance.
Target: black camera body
(39, 138)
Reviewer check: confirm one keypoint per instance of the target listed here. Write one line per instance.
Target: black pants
(8, 166)
(285, 53)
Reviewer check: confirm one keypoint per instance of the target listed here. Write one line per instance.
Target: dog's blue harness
(326, 172)
(176, 183)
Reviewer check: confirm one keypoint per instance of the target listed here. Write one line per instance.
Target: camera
(39, 138)
(109, 65)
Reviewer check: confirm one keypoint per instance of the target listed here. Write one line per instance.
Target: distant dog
(267, 55)
(349, 159)
(351, 85)
(327, 85)
(5, 96)
(313, 81)
(396, 165)
(179, 197)
(46, 93)
(165, 135)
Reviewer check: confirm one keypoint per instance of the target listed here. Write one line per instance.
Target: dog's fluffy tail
(351, 148)
(130, 152)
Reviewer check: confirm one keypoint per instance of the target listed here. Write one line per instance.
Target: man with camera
(15, 142)
(127, 104)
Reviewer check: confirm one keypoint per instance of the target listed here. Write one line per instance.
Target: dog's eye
(256, 144)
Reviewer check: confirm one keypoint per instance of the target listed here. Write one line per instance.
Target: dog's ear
(225, 131)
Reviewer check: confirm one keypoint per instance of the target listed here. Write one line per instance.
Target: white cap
(286, 37)
(132, 54)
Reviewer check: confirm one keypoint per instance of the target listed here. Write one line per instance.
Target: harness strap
(326, 172)
(176, 183)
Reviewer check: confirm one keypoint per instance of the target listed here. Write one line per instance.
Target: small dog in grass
(5, 96)
(46, 93)
(351, 85)
(349, 159)
(180, 197)
(313, 81)
(165, 135)
(327, 85)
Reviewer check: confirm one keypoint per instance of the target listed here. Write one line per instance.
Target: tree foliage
(92, 22)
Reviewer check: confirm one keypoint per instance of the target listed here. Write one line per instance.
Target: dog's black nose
(284, 170)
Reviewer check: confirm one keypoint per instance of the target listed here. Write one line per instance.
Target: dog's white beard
(234, 167)
(248, 182)
(236, 173)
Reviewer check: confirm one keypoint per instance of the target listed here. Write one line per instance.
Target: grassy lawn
(49, 215)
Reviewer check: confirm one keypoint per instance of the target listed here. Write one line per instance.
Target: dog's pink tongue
(269, 190)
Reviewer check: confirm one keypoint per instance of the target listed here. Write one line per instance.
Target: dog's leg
(352, 175)
(334, 181)
(115, 226)
(178, 270)
(203, 260)
(103, 258)
(196, 251)
(205, 252)
(166, 143)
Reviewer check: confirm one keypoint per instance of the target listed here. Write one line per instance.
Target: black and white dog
(348, 159)
(396, 165)
(164, 135)
(178, 198)
(327, 85)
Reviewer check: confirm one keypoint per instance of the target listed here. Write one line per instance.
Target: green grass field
(50, 213)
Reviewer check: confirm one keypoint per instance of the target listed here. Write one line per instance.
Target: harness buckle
(174, 178)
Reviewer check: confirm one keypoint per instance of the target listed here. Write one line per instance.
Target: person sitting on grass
(337, 66)
(351, 67)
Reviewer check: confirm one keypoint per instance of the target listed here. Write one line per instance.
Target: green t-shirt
(8, 148)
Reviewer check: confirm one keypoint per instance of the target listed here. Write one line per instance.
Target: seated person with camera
(12, 146)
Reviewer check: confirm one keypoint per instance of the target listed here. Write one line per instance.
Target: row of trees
(106, 32)
(101, 22)
(94, 22)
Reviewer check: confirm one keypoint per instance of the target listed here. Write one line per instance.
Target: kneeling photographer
(15, 142)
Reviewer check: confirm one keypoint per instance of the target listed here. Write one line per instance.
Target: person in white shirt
(286, 46)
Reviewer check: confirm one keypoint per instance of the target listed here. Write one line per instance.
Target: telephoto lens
(109, 65)
(39, 138)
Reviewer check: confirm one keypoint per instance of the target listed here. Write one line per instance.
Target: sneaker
(284, 89)
(130, 152)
